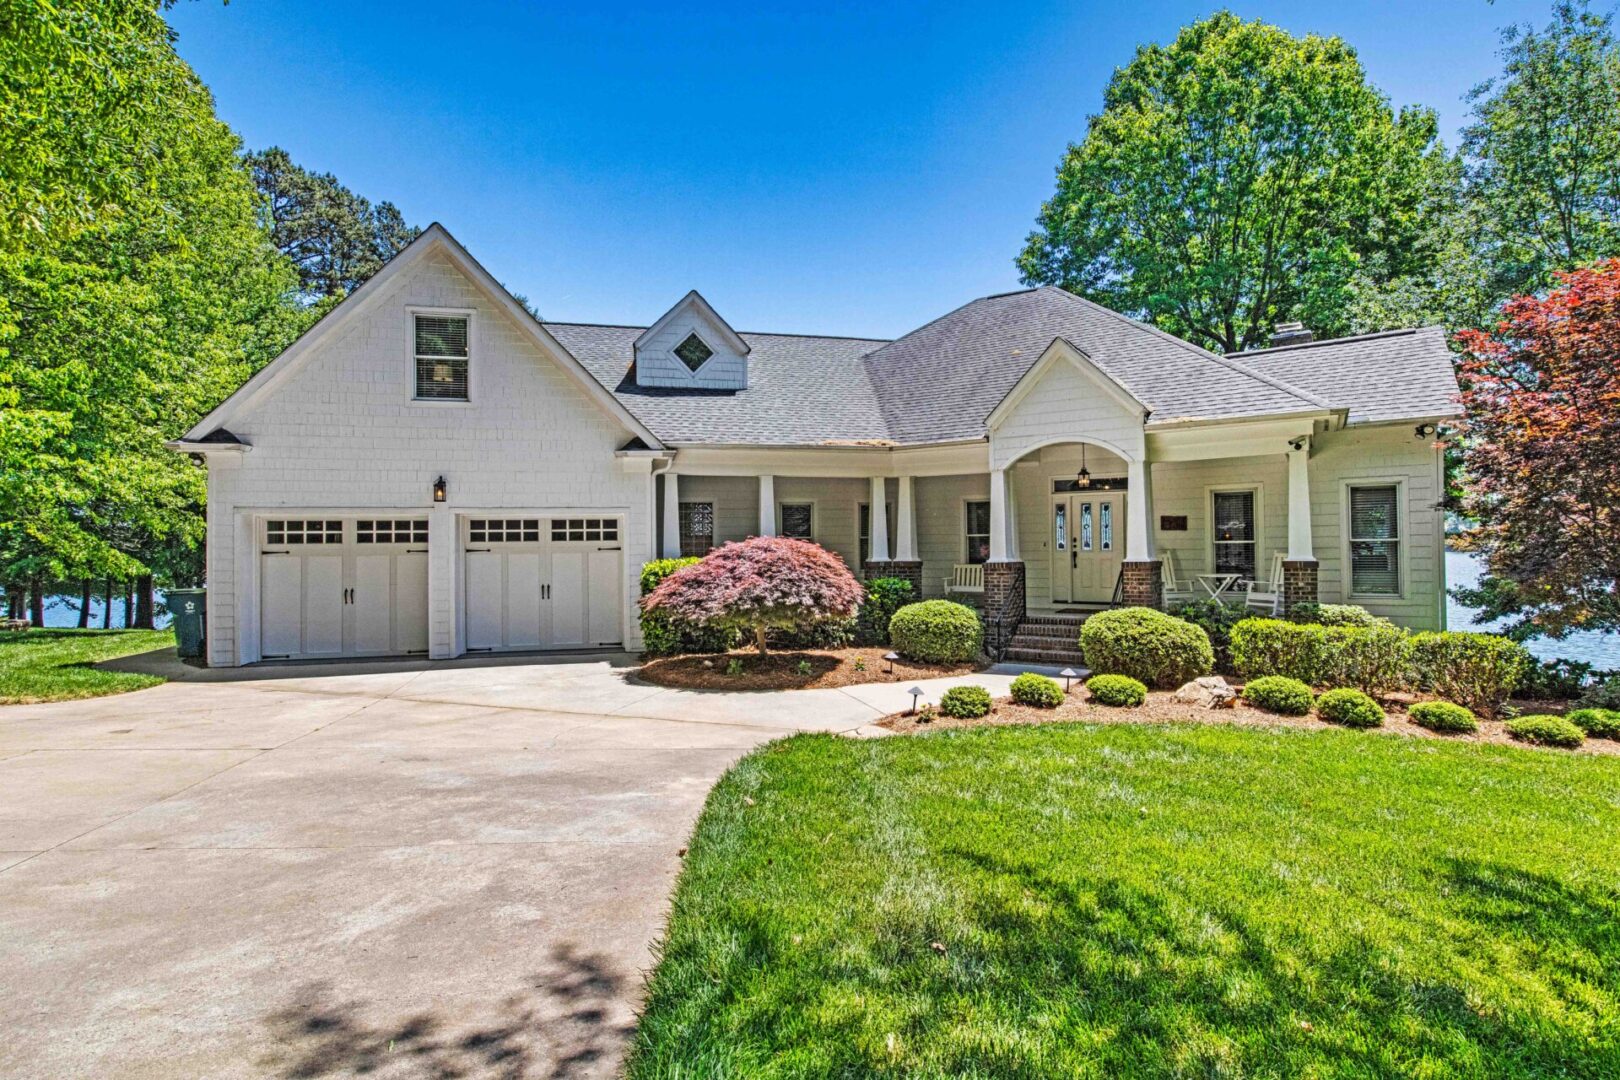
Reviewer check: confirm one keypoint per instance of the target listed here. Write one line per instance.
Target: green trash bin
(187, 607)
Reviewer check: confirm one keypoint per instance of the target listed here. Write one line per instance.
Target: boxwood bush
(1037, 690)
(1544, 730)
(1476, 670)
(1351, 708)
(965, 702)
(1262, 647)
(1149, 646)
(1370, 658)
(1279, 694)
(1443, 716)
(1598, 723)
(1216, 619)
(1118, 690)
(936, 632)
(1334, 615)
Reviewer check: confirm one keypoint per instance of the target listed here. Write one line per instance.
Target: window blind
(442, 357)
(1375, 563)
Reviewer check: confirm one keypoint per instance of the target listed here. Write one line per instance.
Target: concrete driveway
(391, 869)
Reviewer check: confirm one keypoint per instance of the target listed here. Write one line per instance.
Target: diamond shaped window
(693, 352)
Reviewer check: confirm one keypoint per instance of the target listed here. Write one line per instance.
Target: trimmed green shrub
(884, 597)
(1443, 716)
(1598, 723)
(1544, 730)
(832, 634)
(1350, 708)
(1334, 615)
(1117, 690)
(1037, 690)
(936, 632)
(1215, 619)
(1476, 670)
(1147, 645)
(1263, 647)
(1558, 679)
(1370, 658)
(965, 702)
(1279, 694)
(664, 635)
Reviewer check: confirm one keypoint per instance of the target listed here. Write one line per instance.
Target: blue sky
(857, 169)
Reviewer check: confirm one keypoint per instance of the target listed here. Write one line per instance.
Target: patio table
(1217, 585)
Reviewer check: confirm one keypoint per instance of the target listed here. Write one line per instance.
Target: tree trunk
(129, 604)
(15, 593)
(36, 604)
(759, 640)
(85, 599)
(106, 611)
(143, 602)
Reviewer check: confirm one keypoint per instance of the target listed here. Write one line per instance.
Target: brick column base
(1299, 583)
(1143, 587)
(910, 569)
(1003, 604)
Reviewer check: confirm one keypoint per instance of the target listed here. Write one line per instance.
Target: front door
(1088, 544)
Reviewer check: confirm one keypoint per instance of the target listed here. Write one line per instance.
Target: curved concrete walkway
(394, 869)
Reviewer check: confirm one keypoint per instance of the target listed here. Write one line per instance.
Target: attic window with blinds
(441, 357)
(1375, 540)
(693, 352)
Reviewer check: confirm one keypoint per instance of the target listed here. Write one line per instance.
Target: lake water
(64, 611)
(1600, 650)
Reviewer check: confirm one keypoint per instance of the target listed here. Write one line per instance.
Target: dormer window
(693, 352)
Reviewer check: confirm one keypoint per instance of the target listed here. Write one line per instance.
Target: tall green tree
(1237, 177)
(335, 238)
(130, 303)
(1543, 150)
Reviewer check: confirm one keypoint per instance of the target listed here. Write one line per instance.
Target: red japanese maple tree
(1542, 454)
(759, 584)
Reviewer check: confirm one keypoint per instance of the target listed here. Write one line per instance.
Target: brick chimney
(1291, 333)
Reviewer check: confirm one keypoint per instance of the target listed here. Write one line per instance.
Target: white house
(432, 470)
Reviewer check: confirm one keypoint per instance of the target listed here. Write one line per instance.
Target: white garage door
(342, 587)
(543, 583)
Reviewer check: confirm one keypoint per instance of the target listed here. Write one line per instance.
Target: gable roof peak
(694, 300)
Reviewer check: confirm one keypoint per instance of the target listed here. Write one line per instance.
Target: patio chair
(1267, 595)
(1177, 589)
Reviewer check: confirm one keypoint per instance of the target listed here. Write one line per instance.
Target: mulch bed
(1162, 707)
(782, 671)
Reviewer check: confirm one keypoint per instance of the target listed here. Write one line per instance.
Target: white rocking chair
(1177, 590)
(1267, 595)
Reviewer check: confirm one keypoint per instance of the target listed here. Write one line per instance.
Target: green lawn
(1145, 901)
(54, 665)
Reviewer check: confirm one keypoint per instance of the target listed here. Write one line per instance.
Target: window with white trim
(976, 530)
(443, 354)
(596, 530)
(798, 520)
(1375, 540)
(503, 530)
(1234, 533)
(281, 531)
(391, 531)
(694, 352)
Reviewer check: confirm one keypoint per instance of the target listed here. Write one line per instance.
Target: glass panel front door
(1087, 542)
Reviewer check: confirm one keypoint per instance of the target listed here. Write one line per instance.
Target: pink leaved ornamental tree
(760, 584)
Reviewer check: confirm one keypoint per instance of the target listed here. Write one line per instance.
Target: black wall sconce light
(440, 490)
(1425, 431)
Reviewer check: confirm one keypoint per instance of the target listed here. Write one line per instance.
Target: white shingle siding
(341, 431)
(657, 364)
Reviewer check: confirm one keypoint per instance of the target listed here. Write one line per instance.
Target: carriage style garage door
(342, 587)
(542, 583)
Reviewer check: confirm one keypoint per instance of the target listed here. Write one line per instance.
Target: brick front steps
(1048, 639)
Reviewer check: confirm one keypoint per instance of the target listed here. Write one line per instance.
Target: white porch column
(1000, 523)
(906, 544)
(1139, 511)
(672, 516)
(879, 521)
(767, 506)
(1299, 502)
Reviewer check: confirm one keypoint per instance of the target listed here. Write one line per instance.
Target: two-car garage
(358, 586)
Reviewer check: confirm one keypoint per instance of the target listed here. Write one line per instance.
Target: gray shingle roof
(801, 390)
(940, 382)
(1394, 375)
